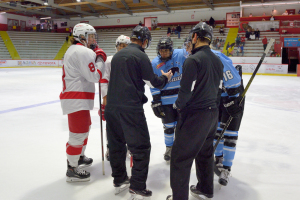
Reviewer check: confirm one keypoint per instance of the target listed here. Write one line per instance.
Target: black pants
(128, 126)
(194, 137)
(265, 46)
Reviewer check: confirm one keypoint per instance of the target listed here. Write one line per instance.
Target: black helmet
(187, 40)
(203, 30)
(141, 33)
(165, 43)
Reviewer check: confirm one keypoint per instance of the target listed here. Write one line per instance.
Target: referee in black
(124, 113)
(197, 105)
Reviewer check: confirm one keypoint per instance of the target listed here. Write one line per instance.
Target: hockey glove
(102, 110)
(100, 52)
(232, 106)
(158, 109)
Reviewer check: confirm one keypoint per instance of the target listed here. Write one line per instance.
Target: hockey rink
(34, 134)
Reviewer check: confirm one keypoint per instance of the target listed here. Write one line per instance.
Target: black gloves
(232, 106)
(158, 109)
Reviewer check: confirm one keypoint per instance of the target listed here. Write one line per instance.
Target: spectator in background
(285, 13)
(230, 50)
(227, 46)
(272, 18)
(178, 29)
(71, 32)
(238, 40)
(264, 14)
(247, 34)
(240, 50)
(265, 42)
(173, 30)
(221, 30)
(55, 27)
(169, 32)
(250, 15)
(212, 22)
(140, 23)
(299, 12)
(243, 40)
(221, 42)
(257, 34)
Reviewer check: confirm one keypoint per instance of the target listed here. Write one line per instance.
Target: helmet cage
(165, 43)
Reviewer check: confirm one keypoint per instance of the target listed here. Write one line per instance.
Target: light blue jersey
(169, 93)
(232, 81)
(231, 77)
(177, 60)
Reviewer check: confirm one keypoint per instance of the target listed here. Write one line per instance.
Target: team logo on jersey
(178, 78)
(174, 70)
(160, 65)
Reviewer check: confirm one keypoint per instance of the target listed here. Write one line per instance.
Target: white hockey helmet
(81, 32)
(123, 39)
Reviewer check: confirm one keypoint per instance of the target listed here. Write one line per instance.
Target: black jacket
(130, 69)
(178, 28)
(169, 30)
(201, 79)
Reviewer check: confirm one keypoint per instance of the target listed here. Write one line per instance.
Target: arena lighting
(46, 2)
(46, 18)
(269, 4)
(78, 0)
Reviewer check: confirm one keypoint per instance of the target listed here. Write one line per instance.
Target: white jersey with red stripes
(106, 76)
(80, 73)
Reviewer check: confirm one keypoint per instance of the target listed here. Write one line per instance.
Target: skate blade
(138, 197)
(220, 186)
(84, 166)
(199, 197)
(73, 179)
(121, 188)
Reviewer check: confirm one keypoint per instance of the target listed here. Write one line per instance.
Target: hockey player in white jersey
(121, 42)
(83, 67)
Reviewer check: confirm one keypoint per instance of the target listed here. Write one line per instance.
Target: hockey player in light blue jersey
(163, 100)
(232, 89)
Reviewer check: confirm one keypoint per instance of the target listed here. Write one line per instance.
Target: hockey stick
(244, 93)
(101, 130)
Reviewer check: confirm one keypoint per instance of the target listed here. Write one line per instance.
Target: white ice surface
(33, 135)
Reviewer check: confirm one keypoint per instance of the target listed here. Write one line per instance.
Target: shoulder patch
(160, 65)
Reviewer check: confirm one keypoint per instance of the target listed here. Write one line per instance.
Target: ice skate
(167, 155)
(84, 162)
(198, 194)
(107, 155)
(169, 197)
(218, 165)
(140, 194)
(122, 186)
(224, 177)
(74, 174)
